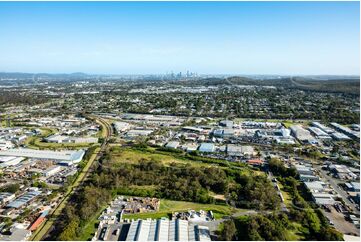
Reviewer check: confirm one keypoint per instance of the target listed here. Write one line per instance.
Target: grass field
(286, 195)
(168, 207)
(134, 156)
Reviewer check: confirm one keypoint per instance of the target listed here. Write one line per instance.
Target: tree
(229, 231)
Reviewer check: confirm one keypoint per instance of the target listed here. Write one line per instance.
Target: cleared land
(125, 155)
(167, 207)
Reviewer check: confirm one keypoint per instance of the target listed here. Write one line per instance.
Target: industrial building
(24, 199)
(52, 171)
(172, 144)
(121, 126)
(347, 131)
(322, 127)
(138, 132)
(319, 133)
(6, 161)
(237, 150)
(207, 147)
(68, 139)
(66, 157)
(303, 135)
(6, 197)
(167, 230)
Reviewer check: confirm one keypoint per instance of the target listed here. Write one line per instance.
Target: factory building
(6, 197)
(59, 139)
(167, 230)
(237, 150)
(66, 157)
(303, 135)
(319, 133)
(347, 131)
(172, 144)
(121, 126)
(23, 199)
(322, 127)
(207, 147)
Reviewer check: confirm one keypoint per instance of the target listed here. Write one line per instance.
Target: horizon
(175, 72)
(218, 38)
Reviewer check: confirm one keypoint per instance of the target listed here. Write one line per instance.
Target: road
(338, 189)
(44, 230)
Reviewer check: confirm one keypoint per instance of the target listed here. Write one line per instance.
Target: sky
(286, 38)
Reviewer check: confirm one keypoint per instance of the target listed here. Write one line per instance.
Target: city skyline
(281, 38)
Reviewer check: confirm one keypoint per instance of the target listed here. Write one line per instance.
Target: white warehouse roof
(66, 155)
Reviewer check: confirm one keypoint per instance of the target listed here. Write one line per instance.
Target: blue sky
(158, 37)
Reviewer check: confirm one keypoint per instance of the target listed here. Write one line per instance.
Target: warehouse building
(167, 230)
(66, 157)
(121, 126)
(24, 199)
(6, 197)
(59, 139)
(303, 135)
(6, 161)
(172, 144)
(319, 133)
(322, 127)
(138, 132)
(237, 150)
(347, 131)
(207, 147)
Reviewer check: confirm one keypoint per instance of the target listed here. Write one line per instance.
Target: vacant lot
(124, 155)
(167, 207)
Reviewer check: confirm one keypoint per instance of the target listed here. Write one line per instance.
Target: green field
(286, 195)
(167, 207)
(123, 155)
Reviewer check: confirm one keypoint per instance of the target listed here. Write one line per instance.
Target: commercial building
(309, 178)
(192, 129)
(319, 133)
(339, 136)
(226, 123)
(167, 230)
(207, 147)
(304, 170)
(5, 144)
(6, 161)
(172, 144)
(68, 139)
(322, 127)
(6, 197)
(315, 186)
(24, 199)
(353, 186)
(237, 150)
(52, 171)
(303, 135)
(66, 157)
(347, 131)
(138, 132)
(121, 126)
(323, 198)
